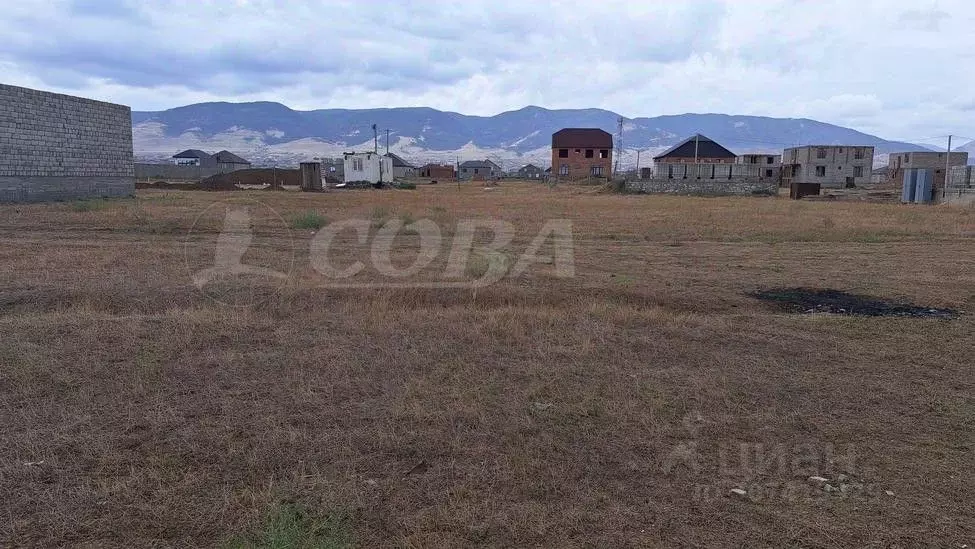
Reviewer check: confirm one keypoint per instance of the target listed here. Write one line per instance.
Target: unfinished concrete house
(831, 166)
(769, 164)
(478, 170)
(897, 163)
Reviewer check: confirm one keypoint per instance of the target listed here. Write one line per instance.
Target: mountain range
(267, 132)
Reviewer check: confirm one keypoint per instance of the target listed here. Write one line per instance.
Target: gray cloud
(873, 69)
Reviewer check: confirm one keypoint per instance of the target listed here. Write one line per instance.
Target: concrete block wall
(166, 172)
(962, 176)
(60, 147)
(705, 187)
(668, 170)
(963, 197)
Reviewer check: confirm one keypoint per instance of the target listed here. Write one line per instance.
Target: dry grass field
(615, 408)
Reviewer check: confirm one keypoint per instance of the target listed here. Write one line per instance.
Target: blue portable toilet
(910, 183)
(925, 182)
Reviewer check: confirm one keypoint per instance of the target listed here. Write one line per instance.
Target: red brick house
(581, 153)
(697, 148)
(438, 171)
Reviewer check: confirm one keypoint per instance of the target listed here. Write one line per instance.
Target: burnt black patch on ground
(812, 300)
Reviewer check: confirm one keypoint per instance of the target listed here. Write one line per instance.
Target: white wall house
(368, 166)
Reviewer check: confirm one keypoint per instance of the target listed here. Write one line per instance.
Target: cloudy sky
(898, 69)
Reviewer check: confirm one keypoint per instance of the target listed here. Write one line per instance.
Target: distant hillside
(272, 132)
(969, 148)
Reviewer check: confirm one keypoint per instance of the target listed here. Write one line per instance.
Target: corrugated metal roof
(478, 164)
(582, 138)
(399, 162)
(192, 153)
(227, 157)
(706, 148)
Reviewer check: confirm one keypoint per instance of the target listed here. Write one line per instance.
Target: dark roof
(227, 157)
(399, 162)
(582, 138)
(706, 148)
(478, 164)
(192, 153)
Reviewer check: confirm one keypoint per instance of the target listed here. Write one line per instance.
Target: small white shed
(368, 166)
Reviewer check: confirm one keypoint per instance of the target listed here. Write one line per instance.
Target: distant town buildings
(835, 166)
(223, 161)
(581, 153)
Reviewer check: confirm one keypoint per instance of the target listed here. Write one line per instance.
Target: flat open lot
(615, 408)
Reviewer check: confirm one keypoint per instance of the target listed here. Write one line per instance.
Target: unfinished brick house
(438, 171)
(582, 153)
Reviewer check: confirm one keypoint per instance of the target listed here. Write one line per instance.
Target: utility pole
(638, 151)
(387, 141)
(695, 147)
(619, 145)
(375, 139)
(944, 188)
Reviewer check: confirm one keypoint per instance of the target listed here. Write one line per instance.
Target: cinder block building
(581, 153)
(530, 171)
(61, 147)
(897, 163)
(401, 168)
(769, 164)
(478, 170)
(229, 162)
(832, 166)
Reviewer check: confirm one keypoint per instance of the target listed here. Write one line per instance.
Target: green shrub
(89, 205)
(308, 220)
(290, 526)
